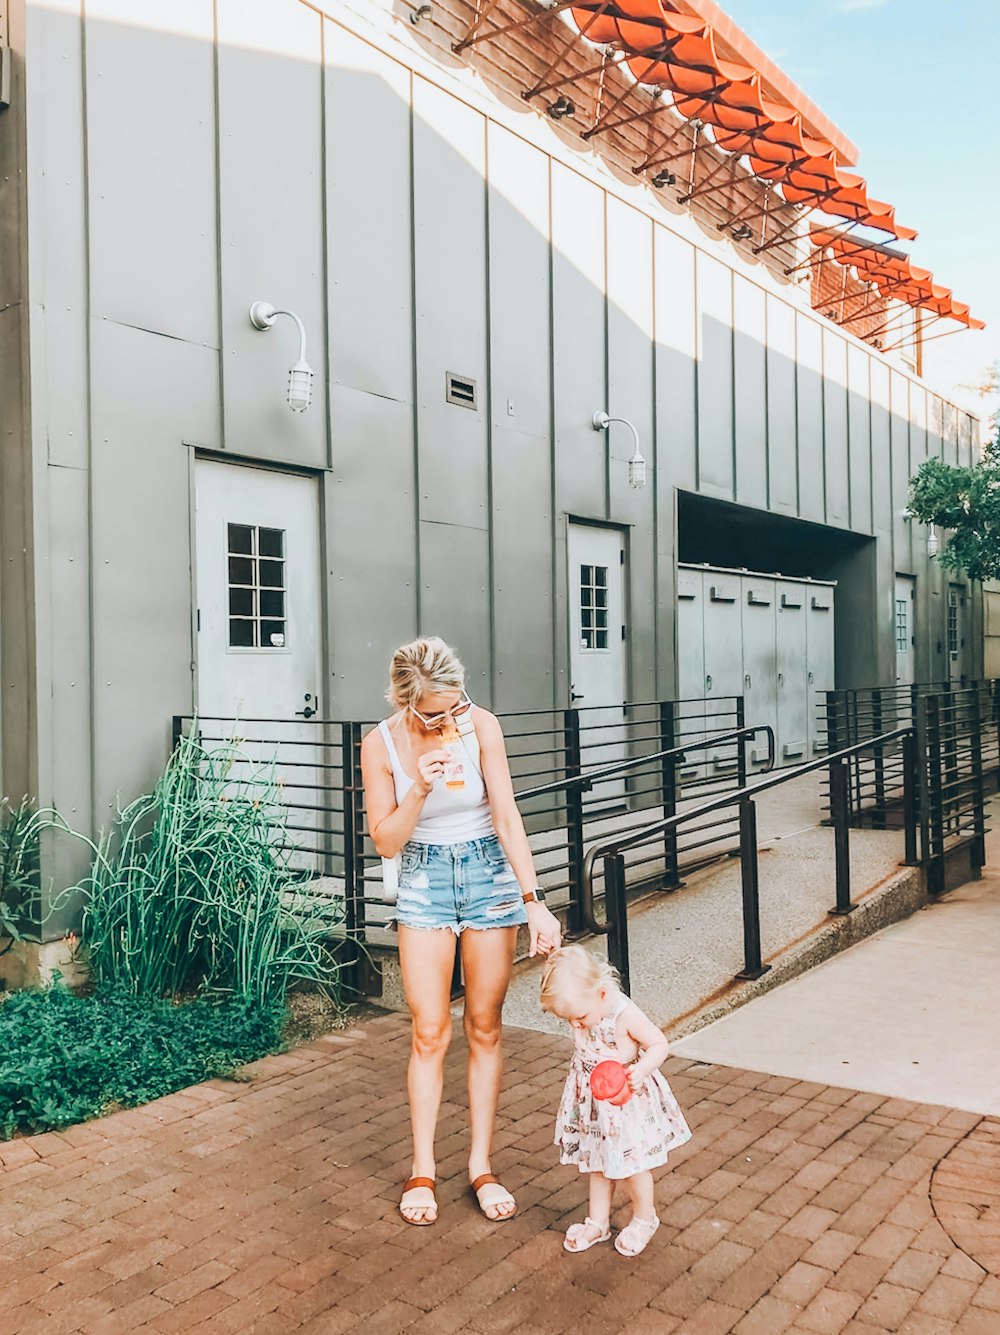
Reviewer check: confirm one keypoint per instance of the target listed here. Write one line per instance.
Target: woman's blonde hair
(425, 664)
(574, 971)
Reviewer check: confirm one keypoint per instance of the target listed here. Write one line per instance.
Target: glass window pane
(272, 634)
(241, 633)
(272, 574)
(601, 576)
(241, 602)
(240, 570)
(241, 538)
(272, 603)
(602, 639)
(271, 542)
(602, 597)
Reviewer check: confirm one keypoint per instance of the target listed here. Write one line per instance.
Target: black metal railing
(611, 852)
(577, 773)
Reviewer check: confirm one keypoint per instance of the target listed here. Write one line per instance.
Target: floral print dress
(599, 1137)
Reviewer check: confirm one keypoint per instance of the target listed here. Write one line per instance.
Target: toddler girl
(609, 1142)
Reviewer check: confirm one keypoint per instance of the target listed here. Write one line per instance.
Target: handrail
(610, 847)
(588, 778)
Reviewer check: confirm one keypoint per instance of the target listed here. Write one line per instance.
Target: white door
(691, 720)
(259, 641)
(905, 629)
(597, 643)
(723, 661)
(793, 687)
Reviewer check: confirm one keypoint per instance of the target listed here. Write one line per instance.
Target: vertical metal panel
(951, 434)
(881, 452)
(759, 613)
(859, 438)
(57, 250)
(449, 150)
(935, 426)
(630, 394)
(455, 596)
(793, 684)
(782, 462)
(676, 357)
(965, 443)
(579, 348)
(715, 377)
(723, 647)
(270, 148)
(899, 438)
(151, 152)
(750, 378)
(819, 660)
(367, 178)
(520, 456)
(690, 634)
(141, 546)
(370, 546)
(809, 416)
(836, 455)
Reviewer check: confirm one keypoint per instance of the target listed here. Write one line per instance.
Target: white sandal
(635, 1236)
(574, 1234)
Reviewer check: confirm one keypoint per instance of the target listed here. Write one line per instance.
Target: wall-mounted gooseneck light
(300, 377)
(932, 538)
(637, 464)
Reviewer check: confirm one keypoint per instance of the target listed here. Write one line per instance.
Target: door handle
(746, 678)
(573, 695)
(781, 679)
(708, 682)
(308, 711)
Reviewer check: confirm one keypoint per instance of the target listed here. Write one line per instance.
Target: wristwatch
(536, 896)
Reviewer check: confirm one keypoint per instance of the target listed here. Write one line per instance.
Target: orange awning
(688, 55)
(895, 276)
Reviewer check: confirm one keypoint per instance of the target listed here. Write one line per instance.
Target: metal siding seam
(488, 410)
(654, 536)
(607, 363)
(697, 371)
(414, 386)
(553, 517)
(95, 821)
(325, 688)
(218, 223)
(732, 379)
(767, 408)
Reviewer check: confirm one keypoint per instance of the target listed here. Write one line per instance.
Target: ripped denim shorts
(458, 886)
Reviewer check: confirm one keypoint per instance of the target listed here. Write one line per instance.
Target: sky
(914, 84)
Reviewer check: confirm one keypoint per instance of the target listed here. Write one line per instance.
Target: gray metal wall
(186, 163)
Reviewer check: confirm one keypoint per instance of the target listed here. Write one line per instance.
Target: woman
(466, 875)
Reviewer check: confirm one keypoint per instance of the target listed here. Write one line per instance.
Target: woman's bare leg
(426, 961)
(487, 959)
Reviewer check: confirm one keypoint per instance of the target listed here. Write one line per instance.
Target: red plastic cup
(609, 1080)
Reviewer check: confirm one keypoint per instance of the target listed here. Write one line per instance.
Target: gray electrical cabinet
(767, 638)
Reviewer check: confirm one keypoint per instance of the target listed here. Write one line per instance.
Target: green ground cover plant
(198, 919)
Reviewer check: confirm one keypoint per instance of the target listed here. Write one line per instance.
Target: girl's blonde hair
(574, 971)
(425, 664)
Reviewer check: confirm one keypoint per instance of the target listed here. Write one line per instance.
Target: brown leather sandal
(409, 1186)
(485, 1180)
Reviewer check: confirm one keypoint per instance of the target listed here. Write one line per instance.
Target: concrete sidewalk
(269, 1206)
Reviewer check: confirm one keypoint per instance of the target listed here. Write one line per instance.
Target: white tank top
(449, 815)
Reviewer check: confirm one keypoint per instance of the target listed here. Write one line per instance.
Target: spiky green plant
(19, 849)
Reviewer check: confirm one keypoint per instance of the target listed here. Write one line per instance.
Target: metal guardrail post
(752, 965)
(978, 785)
(572, 764)
(176, 732)
(616, 909)
(911, 794)
(934, 851)
(840, 811)
(669, 766)
(741, 746)
(879, 814)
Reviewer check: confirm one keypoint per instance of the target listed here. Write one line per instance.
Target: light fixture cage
(300, 381)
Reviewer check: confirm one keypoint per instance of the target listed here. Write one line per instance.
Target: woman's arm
(650, 1041)
(544, 926)
(388, 824)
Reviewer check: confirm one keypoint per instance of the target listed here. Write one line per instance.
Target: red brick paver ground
(269, 1206)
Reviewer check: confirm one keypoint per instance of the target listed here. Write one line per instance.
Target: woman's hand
(430, 766)
(546, 932)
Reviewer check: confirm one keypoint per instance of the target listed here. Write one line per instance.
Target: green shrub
(194, 889)
(19, 845)
(65, 1058)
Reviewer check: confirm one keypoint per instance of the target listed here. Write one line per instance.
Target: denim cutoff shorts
(458, 886)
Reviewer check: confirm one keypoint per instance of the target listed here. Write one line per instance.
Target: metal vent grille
(459, 389)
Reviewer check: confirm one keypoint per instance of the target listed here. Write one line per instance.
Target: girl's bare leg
(641, 1193)
(602, 1190)
(426, 960)
(487, 959)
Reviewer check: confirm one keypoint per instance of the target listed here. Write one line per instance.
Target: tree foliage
(965, 501)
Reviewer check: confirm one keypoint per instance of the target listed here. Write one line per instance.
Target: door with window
(905, 629)
(259, 644)
(598, 643)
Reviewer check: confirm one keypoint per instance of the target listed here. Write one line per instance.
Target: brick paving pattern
(269, 1206)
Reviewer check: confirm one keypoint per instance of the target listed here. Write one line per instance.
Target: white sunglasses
(432, 721)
